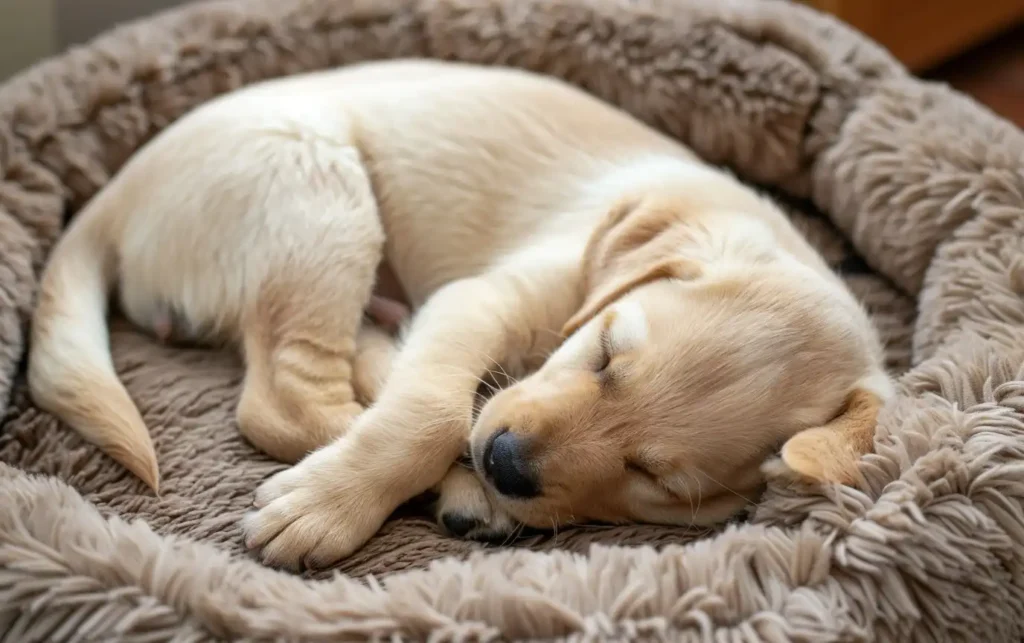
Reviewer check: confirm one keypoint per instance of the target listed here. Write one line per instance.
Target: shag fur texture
(915, 193)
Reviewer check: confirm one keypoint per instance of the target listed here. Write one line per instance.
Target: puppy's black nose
(507, 464)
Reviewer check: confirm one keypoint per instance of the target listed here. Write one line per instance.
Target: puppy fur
(703, 333)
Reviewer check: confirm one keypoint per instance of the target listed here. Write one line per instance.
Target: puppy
(515, 211)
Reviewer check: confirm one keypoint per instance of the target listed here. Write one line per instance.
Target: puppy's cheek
(538, 513)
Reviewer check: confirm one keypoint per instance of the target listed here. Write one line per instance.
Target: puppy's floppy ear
(830, 453)
(632, 245)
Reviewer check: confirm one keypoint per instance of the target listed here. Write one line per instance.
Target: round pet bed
(913, 192)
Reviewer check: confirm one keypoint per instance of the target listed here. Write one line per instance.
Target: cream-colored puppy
(703, 332)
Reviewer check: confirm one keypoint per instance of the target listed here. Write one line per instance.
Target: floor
(993, 74)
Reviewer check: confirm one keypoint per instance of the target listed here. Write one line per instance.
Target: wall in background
(33, 29)
(923, 33)
(27, 33)
(79, 20)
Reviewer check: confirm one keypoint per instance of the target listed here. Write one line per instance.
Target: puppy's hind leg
(376, 350)
(299, 334)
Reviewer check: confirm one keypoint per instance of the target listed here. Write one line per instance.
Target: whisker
(481, 353)
(513, 535)
(689, 496)
(513, 381)
(494, 385)
(733, 492)
(456, 372)
(700, 498)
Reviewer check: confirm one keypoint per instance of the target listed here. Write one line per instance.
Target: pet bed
(913, 192)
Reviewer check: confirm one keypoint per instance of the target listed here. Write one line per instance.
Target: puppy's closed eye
(605, 356)
(604, 342)
(635, 467)
(661, 488)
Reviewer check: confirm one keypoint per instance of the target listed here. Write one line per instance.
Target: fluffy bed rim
(927, 185)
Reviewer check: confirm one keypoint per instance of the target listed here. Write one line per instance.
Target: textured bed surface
(914, 193)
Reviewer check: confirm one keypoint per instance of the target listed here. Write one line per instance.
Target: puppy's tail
(70, 370)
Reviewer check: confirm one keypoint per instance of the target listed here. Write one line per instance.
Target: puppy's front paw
(314, 513)
(465, 510)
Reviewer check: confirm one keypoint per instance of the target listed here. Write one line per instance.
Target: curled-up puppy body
(701, 332)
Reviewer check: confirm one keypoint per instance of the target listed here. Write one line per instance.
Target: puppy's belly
(387, 285)
(388, 306)
(169, 322)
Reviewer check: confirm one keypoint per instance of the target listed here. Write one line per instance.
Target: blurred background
(975, 45)
(33, 29)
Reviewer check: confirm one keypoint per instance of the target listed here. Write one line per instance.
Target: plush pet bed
(915, 193)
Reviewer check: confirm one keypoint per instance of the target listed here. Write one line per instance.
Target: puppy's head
(679, 377)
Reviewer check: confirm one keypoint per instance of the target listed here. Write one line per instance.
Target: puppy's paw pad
(459, 524)
(492, 537)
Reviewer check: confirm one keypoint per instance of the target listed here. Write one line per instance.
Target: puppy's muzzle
(507, 465)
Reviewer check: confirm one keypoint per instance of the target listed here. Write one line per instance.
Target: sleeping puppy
(680, 330)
